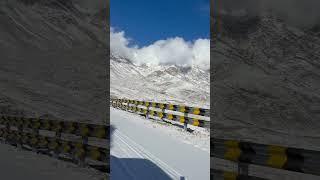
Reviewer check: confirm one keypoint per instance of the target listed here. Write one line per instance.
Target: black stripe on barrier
(292, 159)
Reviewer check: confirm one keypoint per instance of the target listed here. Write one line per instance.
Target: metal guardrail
(36, 133)
(273, 156)
(191, 115)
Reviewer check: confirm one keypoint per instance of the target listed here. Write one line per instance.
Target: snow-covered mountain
(161, 83)
(267, 80)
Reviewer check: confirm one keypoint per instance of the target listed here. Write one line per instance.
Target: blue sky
(146, 21)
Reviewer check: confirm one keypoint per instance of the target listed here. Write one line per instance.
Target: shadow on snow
(133, 168)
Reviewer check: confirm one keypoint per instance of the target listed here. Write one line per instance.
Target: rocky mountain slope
(53, 58)
(266, 85)
(161, 83)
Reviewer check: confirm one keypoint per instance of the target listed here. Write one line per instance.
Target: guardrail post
(147, 114)
(128, 105)
(58, 136)
(163, 111)
(81, 160)
(185, 124)
(8, 130)
(20, 131)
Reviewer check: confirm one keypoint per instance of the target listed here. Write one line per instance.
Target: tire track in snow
(141, 152)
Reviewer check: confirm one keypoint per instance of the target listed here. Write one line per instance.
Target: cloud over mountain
(174, 50)
(294, 12)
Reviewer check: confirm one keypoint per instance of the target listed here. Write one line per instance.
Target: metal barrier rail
(78, 149)
(76, 128)
(21, 131)
(173, 107)
(286, 158)
(133, 106)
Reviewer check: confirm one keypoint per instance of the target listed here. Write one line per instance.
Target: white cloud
(169, 51)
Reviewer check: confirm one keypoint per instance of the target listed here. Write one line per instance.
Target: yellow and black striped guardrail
(26, 131)
(172, 107)
(76, 128)
(280, 157)
(165, 111)
(78, 149)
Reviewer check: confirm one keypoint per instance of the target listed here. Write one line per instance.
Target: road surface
(143, 149)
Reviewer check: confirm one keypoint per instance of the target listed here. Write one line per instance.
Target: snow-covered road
(144, 149)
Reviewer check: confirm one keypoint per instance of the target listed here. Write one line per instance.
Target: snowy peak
(119, 59)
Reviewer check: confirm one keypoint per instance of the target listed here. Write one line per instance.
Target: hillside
(267, 80)
(53, 58)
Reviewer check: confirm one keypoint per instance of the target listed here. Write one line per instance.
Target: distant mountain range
(162, 83)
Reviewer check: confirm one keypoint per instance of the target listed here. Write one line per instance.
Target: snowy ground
(19, 164)
(144, 149)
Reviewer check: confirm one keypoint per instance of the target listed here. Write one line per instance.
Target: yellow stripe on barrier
(196, 122)
(145, 111)
(170, 116)
(100, 132)
(84, 130)
(182, 119)
(95, 153)
(79, 150)
(160, 114)
(66, 147)
(233, 150)
(196, 111)
(277, 156)
(230, 176)
(182, 109)
(161, 105)
(154, 104)
(170, 107)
